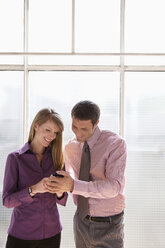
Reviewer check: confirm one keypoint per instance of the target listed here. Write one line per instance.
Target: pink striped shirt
(108, 160)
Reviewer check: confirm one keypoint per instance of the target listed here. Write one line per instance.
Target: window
(11, 130)
(55, 53)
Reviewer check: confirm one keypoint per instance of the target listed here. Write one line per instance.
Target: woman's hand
(40, 187)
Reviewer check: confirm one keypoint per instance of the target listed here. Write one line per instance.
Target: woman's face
(46, 133)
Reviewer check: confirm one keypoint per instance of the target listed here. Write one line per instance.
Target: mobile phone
(57, 175)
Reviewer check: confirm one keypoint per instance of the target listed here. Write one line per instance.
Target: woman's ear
(35, 127)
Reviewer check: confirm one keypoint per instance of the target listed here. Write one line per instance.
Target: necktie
(82, 205)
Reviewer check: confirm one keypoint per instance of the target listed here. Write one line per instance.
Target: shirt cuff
(62, 200)
(59, 198)
(80, 188)
(24, 195)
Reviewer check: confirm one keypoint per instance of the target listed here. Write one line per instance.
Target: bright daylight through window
(55, 53)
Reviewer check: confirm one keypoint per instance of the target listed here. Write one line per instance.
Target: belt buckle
(90, 218)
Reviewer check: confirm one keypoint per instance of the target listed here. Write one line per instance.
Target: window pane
(74, 60)
(145, 136)
(50, 25)
(97, 26)
(11, 29)
(145, 211)
(144, 26)
(145, 117)
(61, 90)
(15, 60)
(145, 60)
(11, 131)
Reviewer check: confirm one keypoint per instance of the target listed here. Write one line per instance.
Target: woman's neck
(37, 149)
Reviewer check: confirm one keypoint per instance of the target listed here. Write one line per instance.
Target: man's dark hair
(86, 110)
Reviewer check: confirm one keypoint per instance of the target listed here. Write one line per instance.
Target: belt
(104, 219)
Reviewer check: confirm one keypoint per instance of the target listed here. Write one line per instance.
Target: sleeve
(63, 199)
(11, 196)
(113, 183)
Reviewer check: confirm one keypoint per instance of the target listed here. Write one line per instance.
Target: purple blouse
(32, 218)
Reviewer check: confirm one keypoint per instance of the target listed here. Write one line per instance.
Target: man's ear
(96, 123)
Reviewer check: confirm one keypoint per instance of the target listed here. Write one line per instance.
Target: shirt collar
(93, 139)
(27, 147)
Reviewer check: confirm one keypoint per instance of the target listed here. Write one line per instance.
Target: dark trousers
(53, 242)
(93, 234)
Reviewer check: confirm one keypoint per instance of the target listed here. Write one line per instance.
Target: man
(102, 192)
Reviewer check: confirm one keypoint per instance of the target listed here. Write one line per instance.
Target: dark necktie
(82, 205)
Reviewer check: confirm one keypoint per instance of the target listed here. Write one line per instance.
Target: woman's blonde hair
(56, 145)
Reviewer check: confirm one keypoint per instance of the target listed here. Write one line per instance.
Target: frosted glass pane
(62, 90)
(145, 202)
(145, 116)
(145, 137)
(144, 26)
(11, 131)
(50, 25)
(97, 26)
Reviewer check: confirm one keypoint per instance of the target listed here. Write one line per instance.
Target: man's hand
(60, 184)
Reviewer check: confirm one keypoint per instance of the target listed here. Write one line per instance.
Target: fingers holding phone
(57, 175)
(60, 181)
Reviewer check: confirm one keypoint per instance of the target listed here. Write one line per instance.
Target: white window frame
(121, 68)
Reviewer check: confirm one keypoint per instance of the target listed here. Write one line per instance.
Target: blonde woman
(35, 219)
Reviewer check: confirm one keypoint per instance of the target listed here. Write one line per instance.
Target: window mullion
(73, 26)
(26, 72)
(122, 95)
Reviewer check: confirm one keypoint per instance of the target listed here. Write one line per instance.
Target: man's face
(83, 129)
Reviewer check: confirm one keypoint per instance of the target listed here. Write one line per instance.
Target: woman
(35, 219)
